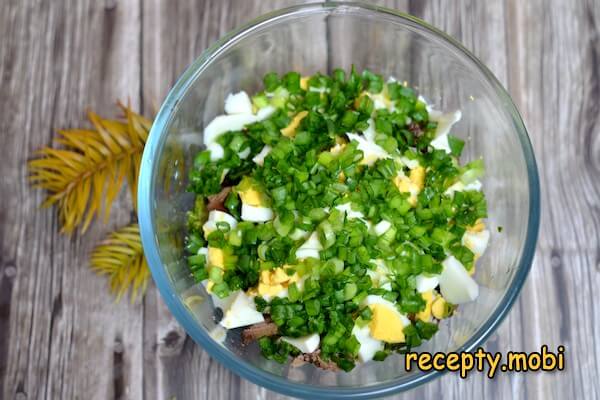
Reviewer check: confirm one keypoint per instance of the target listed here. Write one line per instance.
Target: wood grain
(61, 336)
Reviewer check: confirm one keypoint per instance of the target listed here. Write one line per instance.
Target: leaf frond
(121, 258)
(85, 174)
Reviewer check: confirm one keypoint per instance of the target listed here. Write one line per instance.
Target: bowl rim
(256, 375)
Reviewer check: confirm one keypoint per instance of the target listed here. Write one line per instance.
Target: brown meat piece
(216, 201)
(315, 359)
(415, 129)
(258, 331)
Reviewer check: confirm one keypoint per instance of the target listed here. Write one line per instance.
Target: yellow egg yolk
(251, 197)
(438, 308)
(417, 177)
(412, 184)
(290, 130)
(478, 227)
(425, 315)
(275, 281)
(386, 324)
(304, 82)
(216, 257)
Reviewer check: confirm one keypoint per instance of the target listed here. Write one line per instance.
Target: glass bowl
(321, 37)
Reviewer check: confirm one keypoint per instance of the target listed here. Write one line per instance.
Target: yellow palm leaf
(120, 257)
(86, 175)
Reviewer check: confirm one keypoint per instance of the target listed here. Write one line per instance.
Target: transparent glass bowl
(321, 37)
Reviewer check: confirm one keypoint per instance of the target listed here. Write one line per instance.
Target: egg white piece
(370, 133)
(382, 227)
(426, 283)
(234, 122)
(441, 143)
(371, 151)
(368, 345)
(216, 151)
(351, 214)
(215, 216)
(242, 312)
(256, 214)
(456, 285)
(310, 248)
(306, 344)
(259, 159)
(461, 187)
(238, 103)
(477, 242)
(445, 121)
(411, 164)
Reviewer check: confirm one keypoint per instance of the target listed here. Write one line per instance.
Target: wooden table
(61, 335)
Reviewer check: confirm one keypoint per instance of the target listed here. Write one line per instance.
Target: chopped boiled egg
(216, 151)
(310, 248)
(251, 196)
(215, 216)
(241, 312)
(456, 285)
(351, 214)
(256, 214)
(274, 283)
(368, 345)
(370, 133)
(441, 143)
(238, 103)
(412, 184)
(445, 122)
(337, 149)
(387, 323)
(439, 308)
(409, 162)
(426, 283)
(306, 344)
(254, 203)
(234, 122)
(290, 130)
(461, 187)
(216, 257)
(304, 82)
(425, 315)
(371, 151)
(476, 241)
(259, 159)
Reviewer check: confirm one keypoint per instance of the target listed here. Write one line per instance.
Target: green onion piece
(350, 290)
(312, 306)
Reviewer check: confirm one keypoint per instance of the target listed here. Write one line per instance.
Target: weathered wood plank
(61, 335)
